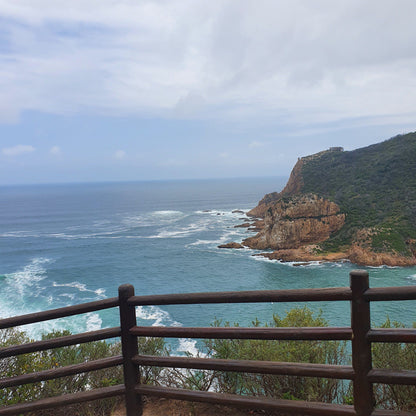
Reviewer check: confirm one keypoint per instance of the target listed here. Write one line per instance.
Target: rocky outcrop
(244, 225)
(293, 186)
(290, 223)
(346, 197)
(363, 256)
(256, 226)
(303, 254)
(231, 245)
(359, 253)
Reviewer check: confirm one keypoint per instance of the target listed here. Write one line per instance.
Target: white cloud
(17, 150)
(120, 154)
(224, 155)
(55, 150)
(302, 61)
(255, 144)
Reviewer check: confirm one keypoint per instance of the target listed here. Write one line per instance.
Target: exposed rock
(244, 225)
(304, 254)
(346, 193)
(237, 211)
(256, 226)
(294, 222)
(293, 186)
(365, 257)
(356, 254)
(231, 245)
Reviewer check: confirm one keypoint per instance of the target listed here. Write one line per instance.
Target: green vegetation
(60, 357)
(393, 356)
(375, 186)
(288, 387)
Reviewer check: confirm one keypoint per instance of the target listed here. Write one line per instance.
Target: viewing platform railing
(361, 335)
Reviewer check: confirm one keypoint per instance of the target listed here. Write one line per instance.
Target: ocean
(66, 244)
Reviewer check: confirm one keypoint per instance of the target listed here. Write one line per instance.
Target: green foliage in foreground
(393, 356)
(375, 186)
(58, 357)
(296, 388)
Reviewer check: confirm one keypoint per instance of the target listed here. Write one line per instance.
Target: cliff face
(338, 204)
(293, 187)
(297, 221)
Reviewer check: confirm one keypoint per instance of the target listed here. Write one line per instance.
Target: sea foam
(27, 290)
(159, 316)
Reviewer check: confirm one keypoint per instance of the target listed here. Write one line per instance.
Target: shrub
(395, 356)
(288, 387)
(60, 357)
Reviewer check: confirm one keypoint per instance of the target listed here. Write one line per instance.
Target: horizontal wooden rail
(392, 335)
(247, 366)
(58, 313)
(248, 402)
(390, 293)
(60, 342)
(360, 333)
(63, 400)
(61, 372)
(251, 296)
(384, 412)
(386, 376)
(311, 333)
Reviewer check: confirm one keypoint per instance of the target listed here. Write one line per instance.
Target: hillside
(373, 187)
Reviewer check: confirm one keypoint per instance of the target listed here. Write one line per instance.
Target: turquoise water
(65, 244)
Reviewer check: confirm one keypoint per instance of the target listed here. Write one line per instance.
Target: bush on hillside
(395, 356)
(390, 356)
(287, 387)
(64, 356)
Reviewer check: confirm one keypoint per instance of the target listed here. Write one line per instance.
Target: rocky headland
(337, 205)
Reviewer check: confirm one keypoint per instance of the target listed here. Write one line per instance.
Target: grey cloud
(319, 60)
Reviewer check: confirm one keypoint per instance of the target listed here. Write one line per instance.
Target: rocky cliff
(294, 222)
(359, 205)
(293, 187)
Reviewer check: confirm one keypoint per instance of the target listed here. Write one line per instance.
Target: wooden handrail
(297, 333)
(375, 294)
(384, 376)
(248, 402)
(360, 333)
(55, 373)
(392, 335)
(248, 366)
(59, 313)
(252, 296)
(64, 341)
(63, 400)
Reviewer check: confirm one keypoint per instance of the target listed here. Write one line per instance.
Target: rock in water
(231, 245)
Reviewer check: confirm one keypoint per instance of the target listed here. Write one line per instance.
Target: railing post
(129, 349)
(361, 348)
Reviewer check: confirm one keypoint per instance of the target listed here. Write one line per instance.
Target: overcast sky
(98, 90)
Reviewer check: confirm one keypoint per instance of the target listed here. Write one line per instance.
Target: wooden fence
(360, 334)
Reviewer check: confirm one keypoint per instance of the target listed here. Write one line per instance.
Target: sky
(114, 90)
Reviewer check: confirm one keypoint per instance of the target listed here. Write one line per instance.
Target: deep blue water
(66, 244)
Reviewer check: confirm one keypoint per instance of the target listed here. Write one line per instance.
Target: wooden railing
(361, 335)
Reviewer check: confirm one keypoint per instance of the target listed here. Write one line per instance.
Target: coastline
(355, 254)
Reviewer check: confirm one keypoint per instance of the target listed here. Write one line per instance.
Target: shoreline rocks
(233, 244)
(297, 221)
(355, 254)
